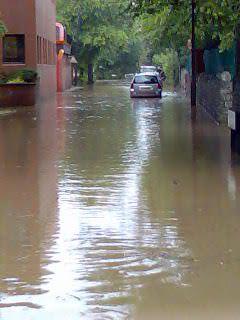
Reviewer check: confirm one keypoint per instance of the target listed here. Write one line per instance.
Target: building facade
(66, 63)
(30, 42)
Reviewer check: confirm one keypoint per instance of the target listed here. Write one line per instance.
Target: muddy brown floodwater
(117, 209)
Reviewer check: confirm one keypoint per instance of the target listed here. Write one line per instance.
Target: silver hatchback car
(146, 84)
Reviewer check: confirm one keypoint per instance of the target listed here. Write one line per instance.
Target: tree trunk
(90, 73)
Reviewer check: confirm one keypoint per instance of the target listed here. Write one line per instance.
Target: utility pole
(194, 76)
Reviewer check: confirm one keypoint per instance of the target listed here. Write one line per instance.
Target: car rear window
(143, 79)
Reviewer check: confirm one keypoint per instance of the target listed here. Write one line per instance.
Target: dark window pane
(145, 79)
(14, 49)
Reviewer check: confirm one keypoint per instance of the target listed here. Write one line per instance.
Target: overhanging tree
(170, 23)
(97, 27)
(218, 18)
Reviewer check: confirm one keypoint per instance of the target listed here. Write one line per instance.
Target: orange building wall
(46, 31)
(17, 23)
(36, 19)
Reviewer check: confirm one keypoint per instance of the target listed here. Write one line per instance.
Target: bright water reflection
(104, 200)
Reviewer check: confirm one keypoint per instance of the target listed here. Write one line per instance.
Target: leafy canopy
(171, 20)
(95, 25)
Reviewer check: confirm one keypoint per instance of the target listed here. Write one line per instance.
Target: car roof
(146, 74)
(148, 67)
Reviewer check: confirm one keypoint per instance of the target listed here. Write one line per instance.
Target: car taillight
(132, 87)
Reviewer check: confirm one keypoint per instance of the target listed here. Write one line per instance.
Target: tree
(169, 60)
(122, 62)
(215, 19)
(98, 29)
(168, 23)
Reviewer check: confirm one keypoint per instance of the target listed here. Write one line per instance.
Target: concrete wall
(46, 19)
(215, 94)
(19, 18)
(66, 73)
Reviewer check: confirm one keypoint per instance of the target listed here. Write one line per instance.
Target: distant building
(31, 40)
(66, 63)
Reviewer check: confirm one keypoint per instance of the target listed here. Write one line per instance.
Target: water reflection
(28, 205)
(115, 209)
(115, 245)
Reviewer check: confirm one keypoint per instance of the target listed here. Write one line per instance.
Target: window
(46, 51)
(38, 50)
(14, 49)
(145, 79)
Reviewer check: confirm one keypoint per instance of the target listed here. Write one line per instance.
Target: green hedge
(21, 76)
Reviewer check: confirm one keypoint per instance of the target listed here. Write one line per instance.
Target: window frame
(148, 79)
(17, 61)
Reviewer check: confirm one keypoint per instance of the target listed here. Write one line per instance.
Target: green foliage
(15, 80)
(123, 62)
(2, 29)
(170, 20)
(20, 76)
(106, 36)
(99, 29)
(166, 24)
(170, 62)
(3, 78)
(29, 75)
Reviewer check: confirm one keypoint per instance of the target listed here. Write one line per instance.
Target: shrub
(2, 29)
(169, 59)
(3, 78)
(15, 80)
(21, 76)
(28, 75)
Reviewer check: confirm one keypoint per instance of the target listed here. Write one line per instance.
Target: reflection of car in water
(146, 85)
(149, 104)
(144, 69)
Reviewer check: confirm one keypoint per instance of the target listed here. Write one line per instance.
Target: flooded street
(114, 208)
